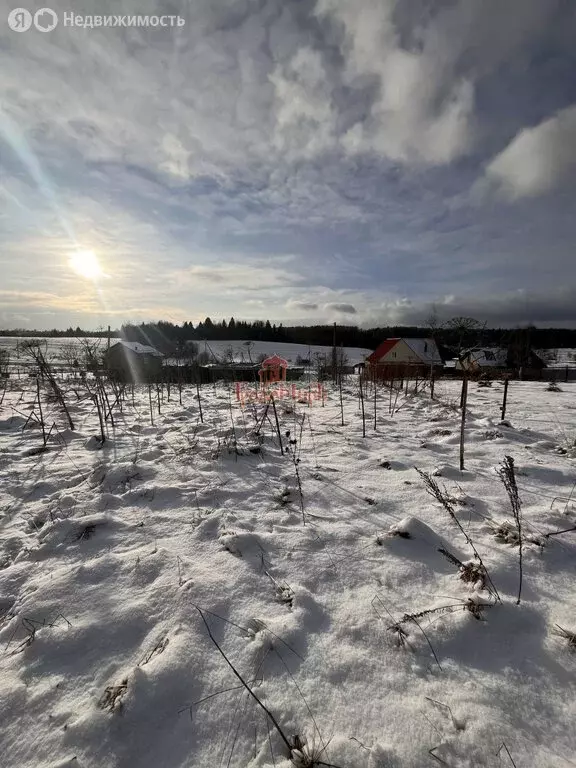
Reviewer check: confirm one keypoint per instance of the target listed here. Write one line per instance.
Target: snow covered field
(242, 351)
(113, 557)
(290, 352)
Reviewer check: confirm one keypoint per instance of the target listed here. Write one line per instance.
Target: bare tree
(33, 350)
(466, 331)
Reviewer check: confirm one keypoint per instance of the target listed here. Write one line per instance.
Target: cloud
(270, 85)
(305, 116)
(536, 160)
(304, 306)
(421, 62)
(345, 309)
(245, 277)
(553, 307)
(346, 134)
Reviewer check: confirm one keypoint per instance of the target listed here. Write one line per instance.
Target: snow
(560, 358)
(107, 553)
(139, 349)
(242, 351)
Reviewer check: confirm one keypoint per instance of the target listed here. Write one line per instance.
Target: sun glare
(85, 264)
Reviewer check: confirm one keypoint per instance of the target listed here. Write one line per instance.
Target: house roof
(487, 357)
(137, 348)
(274, 361)
(425, 349)
(382, 350)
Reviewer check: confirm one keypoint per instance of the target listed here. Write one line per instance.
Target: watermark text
(45, 20)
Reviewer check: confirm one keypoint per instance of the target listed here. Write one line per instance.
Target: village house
(403, 357)
(406, 351)
(133, 363)
(481, 359)
(486, 359)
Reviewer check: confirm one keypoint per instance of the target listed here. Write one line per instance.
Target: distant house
(482, 358)
(493, 358)
(406, 352)
(132, 362)
(403, 358)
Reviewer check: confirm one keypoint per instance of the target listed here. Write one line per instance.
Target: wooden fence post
(505, 397)
(464, 399)
(150, 401)
(464, 389)
(362, 405)
(199, 401)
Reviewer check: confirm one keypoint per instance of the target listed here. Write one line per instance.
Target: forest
(459, 332)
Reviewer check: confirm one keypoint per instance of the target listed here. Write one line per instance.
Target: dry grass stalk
(508, 477)
(442, 496)
(565, 634)
(111, 699)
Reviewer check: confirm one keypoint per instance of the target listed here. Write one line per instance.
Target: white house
(400, 351)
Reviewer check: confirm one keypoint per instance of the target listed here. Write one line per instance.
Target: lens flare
(85, 264)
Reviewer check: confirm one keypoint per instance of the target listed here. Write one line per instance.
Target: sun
(85, 264)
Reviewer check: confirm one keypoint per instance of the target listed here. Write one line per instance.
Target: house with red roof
(405, 354)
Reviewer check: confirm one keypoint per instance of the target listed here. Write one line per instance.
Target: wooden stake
(199, 401)
(505, 397)
(463, 400)
(464, 379)
(40, 410)
(362, 406)
(277, 424)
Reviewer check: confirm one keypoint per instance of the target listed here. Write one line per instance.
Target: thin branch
(245, 684)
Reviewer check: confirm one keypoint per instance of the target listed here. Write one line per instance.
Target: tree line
(454, 335)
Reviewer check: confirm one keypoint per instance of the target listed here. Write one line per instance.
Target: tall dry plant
(507, 475)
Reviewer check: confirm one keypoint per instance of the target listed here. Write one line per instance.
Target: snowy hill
(243, 350)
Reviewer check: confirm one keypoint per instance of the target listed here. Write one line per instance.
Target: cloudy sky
(309, 161)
